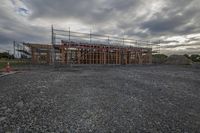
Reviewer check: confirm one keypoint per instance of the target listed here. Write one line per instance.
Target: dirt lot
(101, 99)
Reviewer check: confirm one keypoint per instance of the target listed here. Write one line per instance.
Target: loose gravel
(151, 99)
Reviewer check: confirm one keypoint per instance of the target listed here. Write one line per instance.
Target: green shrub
(159, 58)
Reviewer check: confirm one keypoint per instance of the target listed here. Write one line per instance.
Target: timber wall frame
(82, 53)
(40, 53)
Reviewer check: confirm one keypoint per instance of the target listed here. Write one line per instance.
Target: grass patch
(13, 63)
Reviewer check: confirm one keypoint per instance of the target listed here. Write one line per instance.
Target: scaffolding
(21, 51)
(69, 47)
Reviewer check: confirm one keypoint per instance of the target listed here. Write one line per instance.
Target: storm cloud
(174, 23)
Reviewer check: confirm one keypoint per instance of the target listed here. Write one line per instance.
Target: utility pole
(52, 42)
(14, 49)
(69, 33)
(90, 36)
(52, 35)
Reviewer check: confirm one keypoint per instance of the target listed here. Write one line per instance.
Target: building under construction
(80, 48)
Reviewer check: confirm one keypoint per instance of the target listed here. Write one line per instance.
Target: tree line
(6, 55)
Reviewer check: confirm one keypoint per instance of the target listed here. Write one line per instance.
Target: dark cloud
(88, 11)
(140, 19)
(173, 41)
(197, 39)
(92, 11)
(170, 20)
(181, 45)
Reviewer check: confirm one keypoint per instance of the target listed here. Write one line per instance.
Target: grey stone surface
(101, 99)
(2, 119)
(20, 104)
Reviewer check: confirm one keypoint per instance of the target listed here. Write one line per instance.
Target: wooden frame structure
(82, 53)
(40, 53)
(69, 47)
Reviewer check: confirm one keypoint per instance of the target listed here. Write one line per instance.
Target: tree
(6, 55)
(186, 55)
(195, 57)
(159, 58)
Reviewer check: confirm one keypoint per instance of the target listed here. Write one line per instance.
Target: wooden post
(90, 56)
(116, 57)
(62, 55)
(93, 55)
(139, 57)
(104, 52)
(33, 50)
(97, 57)
(120, 56)
(126, 55)
(78, 56)
(150, 56)
(48, 57)
(100, 54)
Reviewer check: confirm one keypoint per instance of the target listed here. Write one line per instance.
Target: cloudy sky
(175, 23)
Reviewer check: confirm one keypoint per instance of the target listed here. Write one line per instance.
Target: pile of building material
(178, 60)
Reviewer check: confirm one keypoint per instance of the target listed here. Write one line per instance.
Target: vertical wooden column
(150, 56)
(101, 54)
(62, 54)
(129, 57)
(87, 55)
(140, 57)
(85, 61)
(78, 56)
(104, 54)
(81, 58)
(33, 51)
(108, 54)
(97, 56)
(126, 55)
(48, 57)
(66, 54)
(90, 55)
(116, 57)
(119, 51)
(136, 58)
(93, 52)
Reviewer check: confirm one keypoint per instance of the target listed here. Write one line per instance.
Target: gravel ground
(101, 99)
